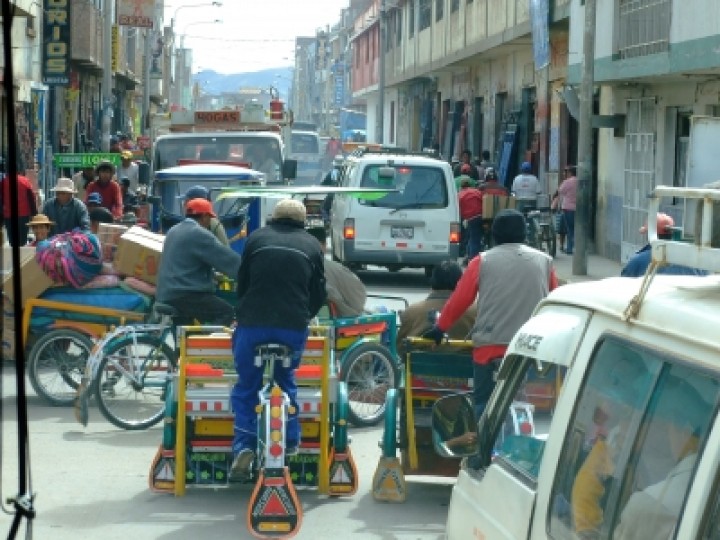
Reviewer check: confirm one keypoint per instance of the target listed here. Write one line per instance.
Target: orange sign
(217, 118)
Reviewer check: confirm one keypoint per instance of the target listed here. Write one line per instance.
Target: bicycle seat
(165, 309)
(271, 352)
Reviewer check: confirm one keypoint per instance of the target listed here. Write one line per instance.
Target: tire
(369, 371)
(549, 239)
(123, 402)
(340, 431)
(56, 363)
(389, 440)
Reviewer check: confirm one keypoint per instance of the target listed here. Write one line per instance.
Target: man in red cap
(191, 255)
(638, 263)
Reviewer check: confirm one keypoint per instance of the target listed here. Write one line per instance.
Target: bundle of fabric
(71, 258)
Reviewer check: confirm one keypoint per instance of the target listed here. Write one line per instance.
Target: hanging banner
(136, 13)
(540, 21)
(114, 48)
(56, 42)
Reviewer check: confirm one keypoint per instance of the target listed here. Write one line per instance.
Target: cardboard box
(138, 254)
(492, 204)
(109, 235)
(34, 280)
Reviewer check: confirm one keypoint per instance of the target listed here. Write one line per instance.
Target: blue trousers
(475, 237)
(244, 396)
(569, 216)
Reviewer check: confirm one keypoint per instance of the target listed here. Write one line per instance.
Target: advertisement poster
(136, 13)
(56, 42)
(539, 21)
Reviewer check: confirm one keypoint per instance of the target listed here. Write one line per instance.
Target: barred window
(643, 27)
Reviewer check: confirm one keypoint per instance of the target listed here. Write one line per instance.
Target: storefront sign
(136, 13)
(56, 42)
(78, 161)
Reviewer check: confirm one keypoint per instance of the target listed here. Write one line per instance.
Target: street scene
(380, 269)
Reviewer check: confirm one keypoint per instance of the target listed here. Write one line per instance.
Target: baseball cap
(526, 167)
(199, 207)
(94, 198)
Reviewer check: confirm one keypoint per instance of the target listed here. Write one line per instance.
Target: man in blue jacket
(281, 287)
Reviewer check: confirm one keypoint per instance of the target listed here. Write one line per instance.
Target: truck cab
(624, 378)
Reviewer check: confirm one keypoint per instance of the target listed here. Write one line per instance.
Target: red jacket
(27, 202)
(111, 196)
(470, 200)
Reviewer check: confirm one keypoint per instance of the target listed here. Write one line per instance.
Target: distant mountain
(215, 83)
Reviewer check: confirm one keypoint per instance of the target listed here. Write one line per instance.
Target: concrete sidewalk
(597, 268)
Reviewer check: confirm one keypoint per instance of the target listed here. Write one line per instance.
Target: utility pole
(107, 95)
(381, 75)
(585, 136)
(144, 127)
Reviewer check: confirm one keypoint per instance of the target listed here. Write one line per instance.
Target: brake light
(454, 233)
(349, 229)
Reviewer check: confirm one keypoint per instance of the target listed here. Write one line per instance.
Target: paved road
(92, 482)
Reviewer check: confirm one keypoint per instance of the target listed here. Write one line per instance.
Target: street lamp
(194, 23)
(212, 4)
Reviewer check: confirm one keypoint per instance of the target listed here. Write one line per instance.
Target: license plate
(402, 232)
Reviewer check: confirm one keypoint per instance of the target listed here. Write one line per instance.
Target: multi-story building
(656, 66)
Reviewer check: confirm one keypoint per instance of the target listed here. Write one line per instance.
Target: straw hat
(40, 219)
(64, 185)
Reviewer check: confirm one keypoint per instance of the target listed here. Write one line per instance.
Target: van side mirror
(454, 429)
(143, 173)
(289, 169)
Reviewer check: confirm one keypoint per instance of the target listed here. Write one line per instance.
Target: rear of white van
(416, 226)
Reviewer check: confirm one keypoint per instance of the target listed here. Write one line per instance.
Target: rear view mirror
(454, 428)
(289, 169)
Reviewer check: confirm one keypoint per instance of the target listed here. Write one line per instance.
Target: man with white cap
(65, 210)
(281, 286)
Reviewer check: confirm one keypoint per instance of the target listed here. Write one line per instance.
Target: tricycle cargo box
(492, 204)
(138, 254)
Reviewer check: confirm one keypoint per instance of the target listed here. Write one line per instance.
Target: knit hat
(94, 198)
(290, 209)
(508, 227)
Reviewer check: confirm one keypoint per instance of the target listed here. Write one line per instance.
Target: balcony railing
(644, 27)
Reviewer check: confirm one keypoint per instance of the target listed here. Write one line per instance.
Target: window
(398, 29)
(682, 143)
(454, 5)
(630, 452)
(643, 27)
(439, 9)
(419, 187)
(425, 14)
(392, 122)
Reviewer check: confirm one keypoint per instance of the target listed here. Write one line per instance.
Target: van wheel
(428, 271)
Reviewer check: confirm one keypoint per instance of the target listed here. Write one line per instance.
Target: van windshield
(305, 143)
(258, 153)
(418, 186)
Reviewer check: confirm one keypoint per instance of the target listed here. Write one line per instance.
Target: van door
(494, 497)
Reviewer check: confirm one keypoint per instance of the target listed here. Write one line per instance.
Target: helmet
(490, 174)
(196, 192)
(664, 223)
(526, 167)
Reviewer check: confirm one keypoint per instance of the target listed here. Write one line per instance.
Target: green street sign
(79, 161)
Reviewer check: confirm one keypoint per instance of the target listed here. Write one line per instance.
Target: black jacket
(281, 281)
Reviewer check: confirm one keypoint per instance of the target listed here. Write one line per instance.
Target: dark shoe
(241, 465)
(292, 450)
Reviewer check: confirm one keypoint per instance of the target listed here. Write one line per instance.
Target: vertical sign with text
(56, 42)
(114, 48)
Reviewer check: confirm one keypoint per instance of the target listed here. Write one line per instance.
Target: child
(40, 226)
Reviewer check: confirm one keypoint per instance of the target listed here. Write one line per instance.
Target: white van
(306, 149)
(624, 374)
(417, 226)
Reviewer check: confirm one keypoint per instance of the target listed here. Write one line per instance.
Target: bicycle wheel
(548, 239)
(133, 380)
(56, 363)
(369, 372)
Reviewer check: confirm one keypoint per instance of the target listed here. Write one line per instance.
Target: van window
(638, 427)
(521, 433)
(419, 187)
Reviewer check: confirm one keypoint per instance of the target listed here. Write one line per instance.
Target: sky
(252, 34)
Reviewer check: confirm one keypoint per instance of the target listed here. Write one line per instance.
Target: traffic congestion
(455, 276)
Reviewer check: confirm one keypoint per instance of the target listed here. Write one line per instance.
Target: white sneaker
(241, 464)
